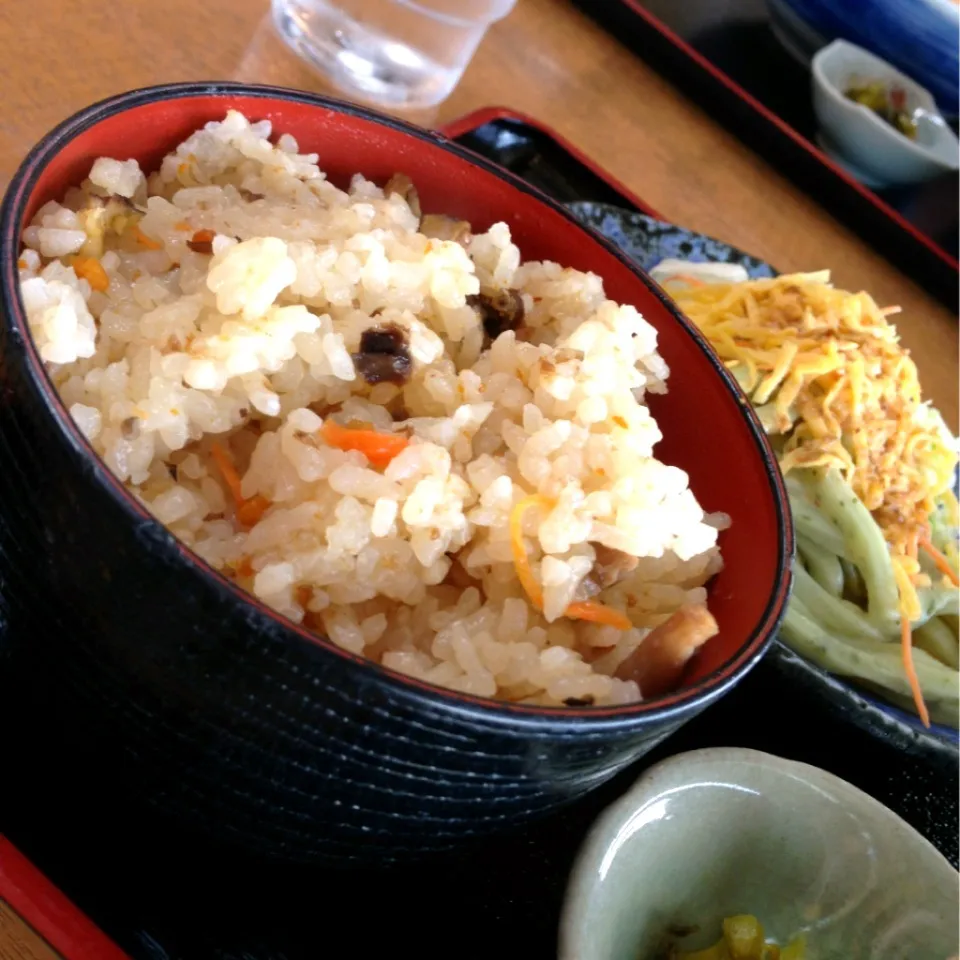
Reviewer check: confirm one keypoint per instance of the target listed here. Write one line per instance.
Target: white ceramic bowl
(856, 137)
(718, 832)
(918, 37)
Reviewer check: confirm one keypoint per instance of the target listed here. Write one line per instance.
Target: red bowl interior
(706, 429)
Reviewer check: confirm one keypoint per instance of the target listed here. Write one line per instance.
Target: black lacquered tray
(161, 894)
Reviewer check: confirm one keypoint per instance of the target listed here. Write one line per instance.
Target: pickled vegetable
(889, 104)
(743, 939)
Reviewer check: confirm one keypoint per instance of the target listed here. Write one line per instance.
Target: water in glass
(400, 53)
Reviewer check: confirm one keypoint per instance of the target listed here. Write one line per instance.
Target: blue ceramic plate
(649, 241)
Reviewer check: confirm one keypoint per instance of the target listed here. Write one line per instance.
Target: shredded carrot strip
(588, 610)
(598, 613)
(906, 646)
(378, 448)
(304, 594)
(91, 270)
(146, 241)
(686, 278)
(250, 511)
(524, 573)
(942, 563)
(228, 471)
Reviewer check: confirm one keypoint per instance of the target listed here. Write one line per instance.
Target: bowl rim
(893, 136)
(677, 705)
(596, 845)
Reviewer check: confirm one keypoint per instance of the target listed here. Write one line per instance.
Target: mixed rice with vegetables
(380, 423)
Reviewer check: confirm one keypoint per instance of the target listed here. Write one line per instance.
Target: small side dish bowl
(919, 37)
(715, 833)
(859, 138)
(238, 721)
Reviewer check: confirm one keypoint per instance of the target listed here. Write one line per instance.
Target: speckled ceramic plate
(650, 241)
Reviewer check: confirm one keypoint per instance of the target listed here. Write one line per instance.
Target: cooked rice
(250, 344)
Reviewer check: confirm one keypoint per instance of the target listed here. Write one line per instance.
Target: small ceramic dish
(916, 36)
(855, 136)
(713, 833)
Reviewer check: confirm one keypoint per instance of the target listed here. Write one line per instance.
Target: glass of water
(399, 53)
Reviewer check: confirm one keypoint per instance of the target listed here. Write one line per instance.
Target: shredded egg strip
(843, 393)
(584, 610)
(827, 373)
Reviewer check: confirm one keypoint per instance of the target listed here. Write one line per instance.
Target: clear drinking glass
(400, 53)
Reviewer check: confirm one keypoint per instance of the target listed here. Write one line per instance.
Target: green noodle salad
(870, 472)
(842, 553)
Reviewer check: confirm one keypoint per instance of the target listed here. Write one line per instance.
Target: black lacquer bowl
(130, 651)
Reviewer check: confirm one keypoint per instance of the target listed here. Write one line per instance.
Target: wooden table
(547, 59)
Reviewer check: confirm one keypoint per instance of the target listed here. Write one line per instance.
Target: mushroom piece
(610, 565)
(657, 664)
(401, 184)
(384, 356)
(499, 311)
(438, 226)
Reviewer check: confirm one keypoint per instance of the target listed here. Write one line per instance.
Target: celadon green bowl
(713, 833)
